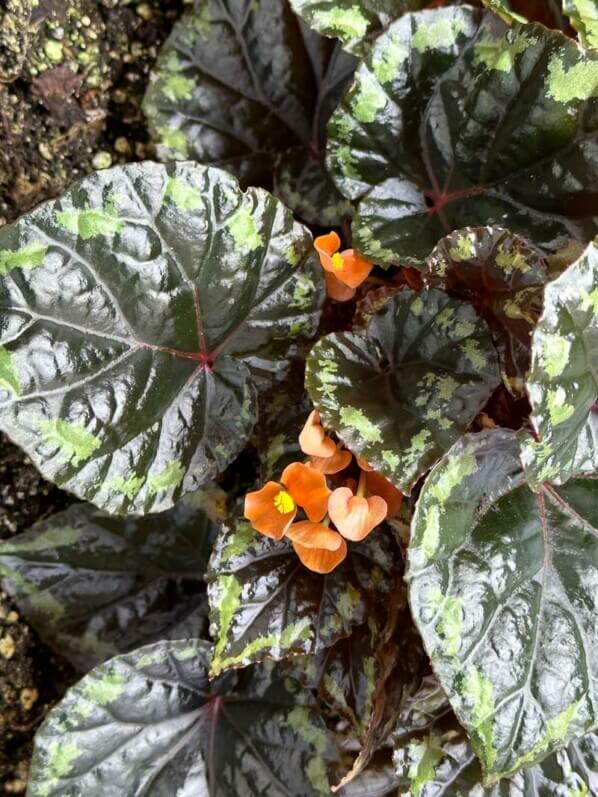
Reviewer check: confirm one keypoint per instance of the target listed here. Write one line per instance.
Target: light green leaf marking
(471, 350)
(300, 720)
(327, 376)
(500, 54)
(317, 775)
(242, 227)
(440, 35)
(128, 487)
(336, 693)
(464, 248)
(417, 306)
(348, 23)
(302, 292)
(418, 445)
(558, 409)
(186, 653)
(446, 387)
(182, 195)
(456, 469)
(348, 602)
(89, 223)
(72, 439)
(355, 419)
(425, 755)
(174, 140)
(100, 692)
(391, 458)
(389, 60)
(43, 602)
(554, 354)
(154, 657)
(175, 86)
(590, 301)
(463, 329)
(9, 376)
(431, 535)
(478, 690)
(52, 538)
(168, 479)
(584, 18)
(240, 541)
(228, 603)
(580, 82)
(450, 623)
(59, 765)
(28, 257)
(511, 261)
(368, 100)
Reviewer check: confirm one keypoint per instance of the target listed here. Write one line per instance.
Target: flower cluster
(344, 271)
(329, 517)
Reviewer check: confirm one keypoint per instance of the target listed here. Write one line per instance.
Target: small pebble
(7, 647)
(144, 11)
(101, 160)
(121, 145)
(28, 698)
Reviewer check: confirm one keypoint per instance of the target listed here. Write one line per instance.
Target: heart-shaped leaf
(503, 277)
(132, 311)
(400, 394)
(248, 87)
(151, 724)
(436, 134)
(93, 585)
(563, 385)
(583, 15)
(443, 763)
(504, 590)
(265, 604)
(355, 23)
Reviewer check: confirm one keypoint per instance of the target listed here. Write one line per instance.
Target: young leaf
(403, 392)
(443, 763)
(563, 385)
(264, 604)
(250, 88)
(355, 23)
(133, 310)
(151, 724)
(583, 15)
(504, 590)
(436, 133)
(503, 277)
(93, 585)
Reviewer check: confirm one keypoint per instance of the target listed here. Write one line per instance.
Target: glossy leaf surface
(563, 385)
(455, 120)
(584, 18)
(400, 394)
(503, 277)
(133, 310)
(355, 24)
(150, 723)
(93, 585)
(248, 87)
(504, 590)
(265, 604)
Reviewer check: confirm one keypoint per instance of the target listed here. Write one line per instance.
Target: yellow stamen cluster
(337, 261)
(284, 503)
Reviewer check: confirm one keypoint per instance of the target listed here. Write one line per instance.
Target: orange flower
(272, 509)
(355, 516)
(347, 266)
(313, 440)
(376, 484)
(334, 464)
(319, 547)
(336, 290)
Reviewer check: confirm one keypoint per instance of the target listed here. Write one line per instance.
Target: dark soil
(72, 77)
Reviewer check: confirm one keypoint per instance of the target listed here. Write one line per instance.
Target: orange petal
(363, 464)
(308, 488)
(326, 246)
(354, 269)
(336, 289)
(261, 510)
(313, 440)
(334, 464)
(376, 484)
(314, 535)
(318, 560)
(355, 517)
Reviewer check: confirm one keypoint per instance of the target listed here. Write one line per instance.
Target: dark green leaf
(584, 18)
(150, 724)
(239, 84)
(456, 120)
(422, 708)
(93, 585)
(503, 277)
(442, 764)
(355, 23)
(402, 393)
(134, 309)
(504, 590)
(265, 604)
(563, 385)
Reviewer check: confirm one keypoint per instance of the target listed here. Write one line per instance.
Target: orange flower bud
(313, 440)
(334, 464)
(355, 517)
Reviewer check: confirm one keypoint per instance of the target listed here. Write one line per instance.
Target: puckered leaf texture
(504, 590)
(151, 724)
(401, 393)
(453, 120)
(93, 585)
(247, 86)
(133, 310)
